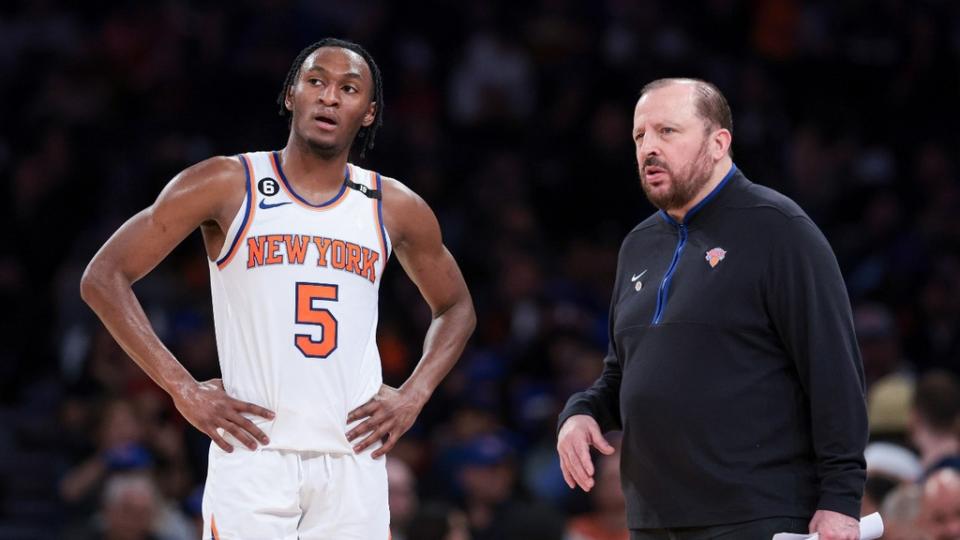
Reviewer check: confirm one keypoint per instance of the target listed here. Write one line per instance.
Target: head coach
(733, 368)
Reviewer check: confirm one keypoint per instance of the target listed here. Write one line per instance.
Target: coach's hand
(389, 414)
(834, 526)
(577, 434)
(208, 407)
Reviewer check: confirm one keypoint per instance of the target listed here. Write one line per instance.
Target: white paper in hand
(871, 528)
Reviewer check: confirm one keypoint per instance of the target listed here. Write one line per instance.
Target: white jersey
(295, 292)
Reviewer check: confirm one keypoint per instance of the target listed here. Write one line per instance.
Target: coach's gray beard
(684, 186)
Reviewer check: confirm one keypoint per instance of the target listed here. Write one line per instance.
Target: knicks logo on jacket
(302, 249)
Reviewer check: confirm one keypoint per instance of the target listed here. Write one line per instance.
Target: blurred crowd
(513, 121)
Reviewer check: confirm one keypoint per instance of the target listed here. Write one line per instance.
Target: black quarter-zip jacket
(733, 367)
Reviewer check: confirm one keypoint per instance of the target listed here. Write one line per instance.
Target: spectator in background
(487, 476)
(438, 521)
(494, 82)
(119, 448)
(879, 342)
(193, 509)
(875, 490)
(608, 520)
(889, 459)
(900, 511)
(892, 461)
(122, 454)
(940, 505)
(933, 421)
(940, 294)
(888, 408)
(401, 496)
(129, 510)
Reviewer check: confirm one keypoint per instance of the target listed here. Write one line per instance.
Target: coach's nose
(649, 146)
(646, 148)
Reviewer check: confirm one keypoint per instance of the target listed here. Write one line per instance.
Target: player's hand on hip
(577, 434)
(834, 526)
(388, 415)
(208, 407)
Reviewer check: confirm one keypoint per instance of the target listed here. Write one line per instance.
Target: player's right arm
(208, 194)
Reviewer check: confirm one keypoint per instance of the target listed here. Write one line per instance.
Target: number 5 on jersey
(308, 313)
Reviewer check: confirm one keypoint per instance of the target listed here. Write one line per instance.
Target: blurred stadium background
(513, 121)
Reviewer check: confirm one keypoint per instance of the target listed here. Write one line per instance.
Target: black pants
(761, 529)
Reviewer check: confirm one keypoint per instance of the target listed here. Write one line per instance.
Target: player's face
(672, 142)
(331, 99)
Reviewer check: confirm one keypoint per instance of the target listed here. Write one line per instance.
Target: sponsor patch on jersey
(715, 255)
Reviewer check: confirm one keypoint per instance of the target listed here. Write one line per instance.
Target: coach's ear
(720, 142)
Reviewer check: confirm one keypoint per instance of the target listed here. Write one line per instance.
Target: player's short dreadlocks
(366, 134)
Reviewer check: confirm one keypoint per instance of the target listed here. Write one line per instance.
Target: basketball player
(297, 241)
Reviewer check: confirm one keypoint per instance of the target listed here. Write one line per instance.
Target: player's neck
(307, 169)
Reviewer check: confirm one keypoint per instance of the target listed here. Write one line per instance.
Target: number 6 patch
(268, 186)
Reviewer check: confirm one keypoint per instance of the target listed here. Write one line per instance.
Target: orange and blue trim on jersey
(213, 528)
(337, 199)
(247, 217)
(381, 229)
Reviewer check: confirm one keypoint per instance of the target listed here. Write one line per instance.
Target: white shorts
(288, 495)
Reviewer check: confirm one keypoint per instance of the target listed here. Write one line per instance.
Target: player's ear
(370, 114)
(288, 99)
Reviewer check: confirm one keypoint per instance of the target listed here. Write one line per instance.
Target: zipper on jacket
(665, 282)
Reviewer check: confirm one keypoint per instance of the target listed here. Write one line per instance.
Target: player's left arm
(415, 233)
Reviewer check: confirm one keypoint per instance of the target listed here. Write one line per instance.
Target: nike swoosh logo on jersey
(638, 276)
(265, 206)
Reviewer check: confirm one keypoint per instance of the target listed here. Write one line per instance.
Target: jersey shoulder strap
(363, 181)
